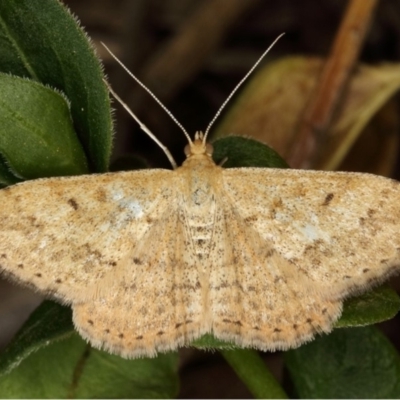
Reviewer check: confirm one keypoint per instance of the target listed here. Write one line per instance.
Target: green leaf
(50, 322)
(72, 369)
(208, 341)
(243, 152)
(348, 363)
(48, 352)
(6, 175)
(375, 306)
(37, 137)
(40, 39)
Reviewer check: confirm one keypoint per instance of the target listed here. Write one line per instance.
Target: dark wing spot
(39, 275)
(371, 212)
(160, 333)
(106, 330)
(3, 255)
(178, 325)
(137, 261)
(256, 328)
(277, 330)
(270, 253)
(90, 322)
(139, 337)
(72, 202)
(252, 218)
(295, 326)
(385, 192)
(101, 195)
(112, 263)
(309, 320)
(370, 281)
(188, 321)
(238, 323)
(20, 266)
(58, 280)
(347, 277)
(324, 311)
(328, 199)
(121, 335)
(223, 285)
(226, 320)
(365, 270)
(32, 220)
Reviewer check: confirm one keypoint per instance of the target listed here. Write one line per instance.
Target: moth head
(198, 146)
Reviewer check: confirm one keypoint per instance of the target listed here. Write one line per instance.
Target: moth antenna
(238, 86)
(142, 126)
(149, 92)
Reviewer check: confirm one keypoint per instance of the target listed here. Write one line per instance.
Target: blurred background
(192, 53)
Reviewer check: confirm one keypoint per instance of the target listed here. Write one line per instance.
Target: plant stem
(251, 369)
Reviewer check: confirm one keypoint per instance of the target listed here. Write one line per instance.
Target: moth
(150, 260)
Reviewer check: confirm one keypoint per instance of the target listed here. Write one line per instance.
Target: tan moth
(150, 260)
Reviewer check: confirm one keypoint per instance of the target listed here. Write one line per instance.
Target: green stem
(251, 369)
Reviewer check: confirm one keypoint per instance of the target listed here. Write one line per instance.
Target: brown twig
(332, 82)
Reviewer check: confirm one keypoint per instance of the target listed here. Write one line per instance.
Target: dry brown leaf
(270, 107)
